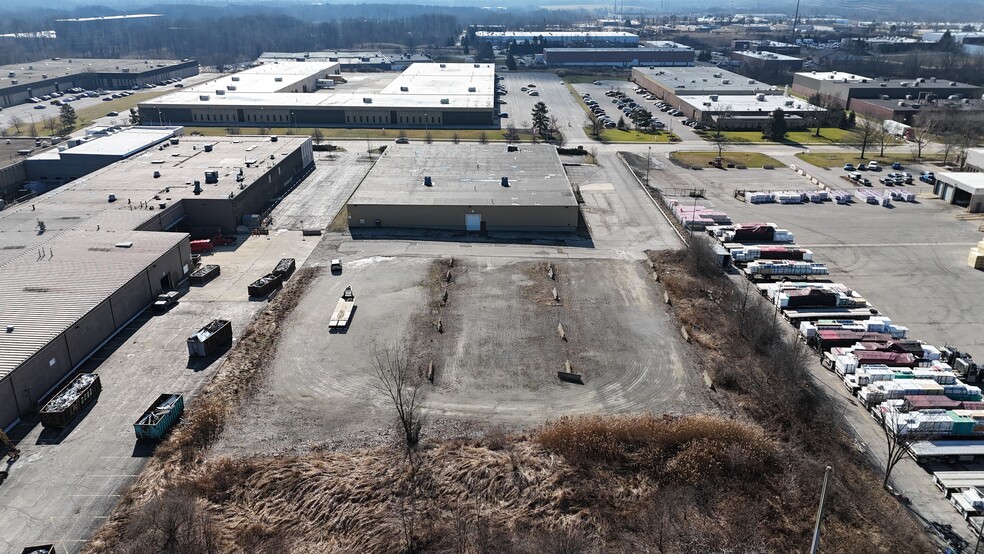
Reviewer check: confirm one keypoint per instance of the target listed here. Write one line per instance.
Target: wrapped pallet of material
(790, 198)
(930, 352)
(976, 257)
(760, 197)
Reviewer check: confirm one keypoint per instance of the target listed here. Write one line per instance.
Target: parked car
(597, 83)
(112, 114)
(896, 165)
(503, 115)
(403, 140)
(39, 106)
(873, 166)
(848, 167)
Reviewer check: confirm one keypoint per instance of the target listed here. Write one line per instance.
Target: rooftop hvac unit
(505, 181)
(404, 89)
(14, 81)
(211, 177)
(427, 181)
(760, 97)
(235, 78)
(278, 79)
(203, 98)
(198, 188)
(714, 98)
(751, 81)
(789, 103)
(953, 83)
(472, 89)
(220, 92)
(477, 65)
(882, 84)
(726, 82)
(11, 74)
(367, 100)
(443, 66)
(904, 83)
(884, 97)
(207, 148)
(231, 87)
(445, 101)
(157, 174)
(44, 75)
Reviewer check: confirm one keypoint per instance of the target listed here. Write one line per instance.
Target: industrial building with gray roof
(282, 94)
(18, 82)
(466, 187)
(78, 263)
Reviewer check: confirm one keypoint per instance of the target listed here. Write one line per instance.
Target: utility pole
(815, 547)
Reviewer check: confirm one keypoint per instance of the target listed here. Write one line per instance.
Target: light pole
(649, 155)
(815, 546)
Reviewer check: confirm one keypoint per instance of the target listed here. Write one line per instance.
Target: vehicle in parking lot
(107, 99)
(534, 93)
(865, 181)
(524, 89)
(503, 115)
(40, 107)
(848, 167)
(112, 114)
(597, 83)
(855, 176)
(403, 140)
(610, 124)
(873, 165)
(896, 165)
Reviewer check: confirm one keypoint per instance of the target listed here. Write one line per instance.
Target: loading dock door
(473, 222)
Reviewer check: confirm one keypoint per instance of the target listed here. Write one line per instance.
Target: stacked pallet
(976, 258)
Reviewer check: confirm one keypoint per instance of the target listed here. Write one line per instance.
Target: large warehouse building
(466, 187)
(846, 87)
(658, 54)
(18, 82)
(77, 264)
(721, 98)
(100, 148)
(282, 94)
(569, 39)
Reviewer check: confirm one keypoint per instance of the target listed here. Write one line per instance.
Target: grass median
(838, 159)
(747, 159)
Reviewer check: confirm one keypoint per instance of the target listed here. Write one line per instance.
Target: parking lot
(908, 260)
(496, 360)
(597, 92)
(571, 117)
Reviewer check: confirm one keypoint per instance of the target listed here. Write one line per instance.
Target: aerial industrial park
(610, 279)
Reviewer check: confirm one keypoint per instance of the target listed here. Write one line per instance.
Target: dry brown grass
(762, 373)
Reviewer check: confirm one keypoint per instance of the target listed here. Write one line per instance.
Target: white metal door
(473, 222)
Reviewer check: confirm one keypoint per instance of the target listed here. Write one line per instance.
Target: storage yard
(898, 276)
(495, 361)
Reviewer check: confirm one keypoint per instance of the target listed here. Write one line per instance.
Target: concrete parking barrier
(550, 273)
(440, 326)
(450, 262)
(666, 297)
(683, 331)
(444, 296)
(655, 276)
(561, 332)
(556, 296)
(708, 381)
(447, 277)
(430, 372)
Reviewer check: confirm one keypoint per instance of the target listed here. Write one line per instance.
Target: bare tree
(483, 138)
(827, 104)
(920, 136)
(865, 133)
(719, 124)
(455, 137)
(50, 124)
(428, 137)
(896, 443)
(597, 127)
(16, 121)
(882, 138)
(403, 385)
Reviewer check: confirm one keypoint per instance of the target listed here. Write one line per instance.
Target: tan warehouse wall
(495, 218)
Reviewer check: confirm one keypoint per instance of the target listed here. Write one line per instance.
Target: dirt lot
(496, 360)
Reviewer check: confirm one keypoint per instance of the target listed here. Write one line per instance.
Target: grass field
(838, 159)
(828, 135)
(748, 159)
(614, 135)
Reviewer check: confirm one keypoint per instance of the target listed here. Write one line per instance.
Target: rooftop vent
(235, 78)
(231, 87)
(203, 98)
(198, 188)
(211, 177)
(220, 92)
(472, 89)
(207, 148)
(445, 101)
(443, 66)
(404, 89)
(427, 181)
(477, 65)
(367, 100)
(278, 79)
(505, 181)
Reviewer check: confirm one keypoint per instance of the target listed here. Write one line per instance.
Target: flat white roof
(834, 76)
(970, 182)
(124, 143)
(427, 84)
(766, 55)
(272, 76)
(556, 34)
(748, 103)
